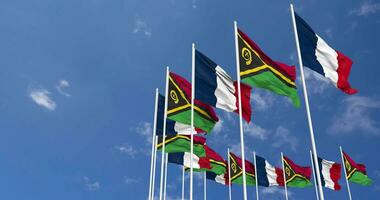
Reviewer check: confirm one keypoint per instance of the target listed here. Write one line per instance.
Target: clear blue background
(95, 143)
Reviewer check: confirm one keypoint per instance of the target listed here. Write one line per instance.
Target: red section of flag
(197, 139)
(304, 171)
(280, 176)
(290, 71)
(211, 154)
(245, 100)
(186, 88)
(249, 167)
(344, 68)
(204, 163)
(335, 174)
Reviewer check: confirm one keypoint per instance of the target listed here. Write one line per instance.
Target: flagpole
(283, 173)
(153, 144)
(154, 166)
(166, 174)
(192, 117)
(183, 182)
(240, 112)
(257, 183)
(229, 174)
(164, 133)
(345, 173)
(315, 180)
(204, 187)
(313, 145)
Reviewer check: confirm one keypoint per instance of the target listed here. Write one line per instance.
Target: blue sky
(77, 88)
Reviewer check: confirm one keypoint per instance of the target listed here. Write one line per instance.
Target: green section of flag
(183, 145)
(216, 168)
(249, 178)
(299, 182)
(199, 120)
(267, 80)
(360, 178)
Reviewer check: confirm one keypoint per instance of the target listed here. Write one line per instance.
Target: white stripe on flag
(220, 179)
(326, 167)
(186, 160)
(225, 91)
(271, 174)
(183, 129)
(328, 58)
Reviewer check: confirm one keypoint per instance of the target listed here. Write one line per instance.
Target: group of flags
(184, 139)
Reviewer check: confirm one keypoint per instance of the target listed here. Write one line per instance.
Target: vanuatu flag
(356, 173)
(218, 164)
(182, 143)
(237, 170)
(179, 105)
(258, 70)
(296, 176)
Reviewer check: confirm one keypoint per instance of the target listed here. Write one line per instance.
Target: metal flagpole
(154, 166)
(345, 173)
(183, 182)
(240, 112)
(229, 175)
(153, 144)
(164, 133)
(204, 187)
(314, 148)
(315, 180)
(257, 183)
(283, 172)
(192, 117)
(166, 174)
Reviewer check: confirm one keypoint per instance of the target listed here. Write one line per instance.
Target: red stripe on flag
(245, 100)
(359, 167)
(344, 68)
(280, 176)
(204, 163)
(335, 175)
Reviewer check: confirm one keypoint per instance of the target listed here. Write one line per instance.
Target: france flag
(215, 87)
(320, 57)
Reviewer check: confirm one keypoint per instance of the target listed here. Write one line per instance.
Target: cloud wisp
(91, 185)
(366, 8)
(42, 98)
(62, 85)
(141, 27)
(355, 115)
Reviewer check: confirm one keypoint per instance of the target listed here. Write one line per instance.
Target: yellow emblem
(233, 166)
(247, 55)
(287, 171)
(348, 166)
(174, 96)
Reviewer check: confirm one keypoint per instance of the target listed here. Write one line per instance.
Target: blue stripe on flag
(320, 170)
(261, 173)
(160, 119)
(176, 158)
(308, 44)
(205, 79)
(211, 175)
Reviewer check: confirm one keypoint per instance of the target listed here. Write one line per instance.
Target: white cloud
(130, 180)
(283, 137)
(356, 115)
(262, 100)
(91, 185)
(145, 129)
(127, 149)
(142, 27)
(256, 131)
(41, 97)
(366, 8)
(62, 84)
(274, 191)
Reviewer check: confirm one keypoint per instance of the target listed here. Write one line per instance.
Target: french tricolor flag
(320, 57)
(215, 87)
(184, 159)
(330, 172)
(267, 175)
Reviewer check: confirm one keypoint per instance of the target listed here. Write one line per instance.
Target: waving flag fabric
(222, 178)
(218, 164)
(258, 70)
(267, 175)
(356, 173)
(215, 87)
(330, 173)
(321, 58)
(182, 143)
(237, 170)
(172, 127)
(184, 159)
(179, 105)
(296, 176)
